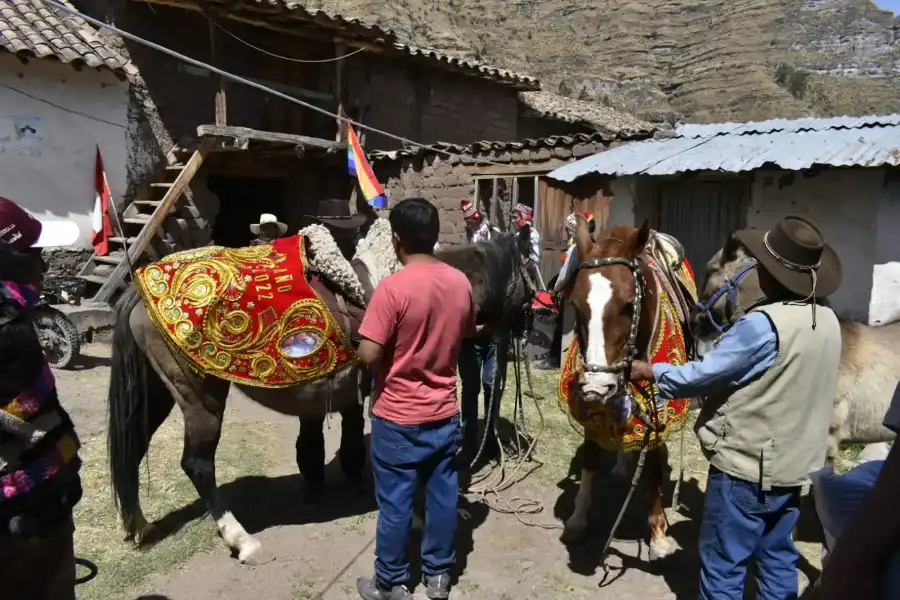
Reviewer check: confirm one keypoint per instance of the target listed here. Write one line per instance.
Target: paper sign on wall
(21, 135)
(884, 307)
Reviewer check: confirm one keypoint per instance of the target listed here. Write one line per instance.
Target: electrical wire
(242, 80)
(287, 58)
(60, 107)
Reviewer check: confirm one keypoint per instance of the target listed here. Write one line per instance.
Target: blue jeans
(476, 368)
(742, 523)
(402, 457)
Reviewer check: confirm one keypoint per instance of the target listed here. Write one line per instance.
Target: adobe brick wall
(428, 105)
(446, 181)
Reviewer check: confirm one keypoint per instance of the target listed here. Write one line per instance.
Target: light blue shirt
(746, 351)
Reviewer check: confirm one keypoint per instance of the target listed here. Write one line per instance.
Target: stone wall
(64, 262)
(428, 105)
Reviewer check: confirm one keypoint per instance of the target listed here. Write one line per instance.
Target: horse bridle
(729, 289)
(623, 367)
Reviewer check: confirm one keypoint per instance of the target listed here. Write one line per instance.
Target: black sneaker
(369, 590)
(437, 587)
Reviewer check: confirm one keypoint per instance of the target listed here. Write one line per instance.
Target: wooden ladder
(142, 221)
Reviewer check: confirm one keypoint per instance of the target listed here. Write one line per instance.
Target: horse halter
(623, 367)
(729, 289)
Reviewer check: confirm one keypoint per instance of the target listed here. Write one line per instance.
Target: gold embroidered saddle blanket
(248, 315)
(599, 421)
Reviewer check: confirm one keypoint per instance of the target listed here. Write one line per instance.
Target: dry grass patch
(165, 489)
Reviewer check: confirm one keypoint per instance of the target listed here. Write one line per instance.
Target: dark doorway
(242, 201)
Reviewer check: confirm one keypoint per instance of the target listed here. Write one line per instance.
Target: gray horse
(147, 381)
(870, 364)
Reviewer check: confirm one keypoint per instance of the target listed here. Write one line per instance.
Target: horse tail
(128, 434)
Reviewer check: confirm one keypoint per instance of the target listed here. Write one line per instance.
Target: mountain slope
(707, 60)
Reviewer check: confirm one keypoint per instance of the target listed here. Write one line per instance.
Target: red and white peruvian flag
(101, 224)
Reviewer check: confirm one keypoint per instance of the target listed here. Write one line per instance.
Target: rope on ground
(488, 487)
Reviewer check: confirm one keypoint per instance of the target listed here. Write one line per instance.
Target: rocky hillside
(708, 60)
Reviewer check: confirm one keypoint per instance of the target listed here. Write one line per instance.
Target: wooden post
(221, 105)
(340, 49)
(495, 207)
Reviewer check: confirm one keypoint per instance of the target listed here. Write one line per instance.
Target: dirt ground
(317, 550)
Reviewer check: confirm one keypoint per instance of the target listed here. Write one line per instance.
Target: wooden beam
(151, 228)
(221, 106)
(491, 171)
(242, 136)
(220, 93)
(291, 90)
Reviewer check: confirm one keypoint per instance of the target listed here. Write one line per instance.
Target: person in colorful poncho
(39, 464)
(478, 229)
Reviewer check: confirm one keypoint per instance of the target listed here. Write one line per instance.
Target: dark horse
(147, 381)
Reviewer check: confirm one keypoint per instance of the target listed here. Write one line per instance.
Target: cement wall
(884, 306)
(844, 203)
(49, 131)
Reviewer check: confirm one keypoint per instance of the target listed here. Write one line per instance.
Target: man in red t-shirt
(411, 333)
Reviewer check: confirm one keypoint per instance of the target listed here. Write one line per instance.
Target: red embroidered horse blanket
(247, 315)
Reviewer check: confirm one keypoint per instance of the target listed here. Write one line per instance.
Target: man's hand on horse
(641, 370)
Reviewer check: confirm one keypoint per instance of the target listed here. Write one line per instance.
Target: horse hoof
(661, 550)
(144, 535)
(249, 552)
(573, 535)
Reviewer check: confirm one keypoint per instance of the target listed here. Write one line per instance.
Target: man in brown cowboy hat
(769, 386)
(267, 230)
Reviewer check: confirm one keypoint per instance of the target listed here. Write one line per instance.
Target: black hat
(336, 213)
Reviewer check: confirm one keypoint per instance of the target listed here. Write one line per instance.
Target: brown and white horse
(622, 314)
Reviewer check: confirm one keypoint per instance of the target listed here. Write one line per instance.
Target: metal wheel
(58, 336)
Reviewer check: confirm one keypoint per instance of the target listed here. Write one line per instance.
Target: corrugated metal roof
(791, 144)
(787, 125)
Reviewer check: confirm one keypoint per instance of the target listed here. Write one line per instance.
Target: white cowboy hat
(268, 219)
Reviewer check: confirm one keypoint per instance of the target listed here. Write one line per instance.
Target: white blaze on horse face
(600, 293)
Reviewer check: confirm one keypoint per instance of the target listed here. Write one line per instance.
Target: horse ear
(583, 239)
(641, 237)
(729, 252)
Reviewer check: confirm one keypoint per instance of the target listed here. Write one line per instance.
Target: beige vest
(773, 431)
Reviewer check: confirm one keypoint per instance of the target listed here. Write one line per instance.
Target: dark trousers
(404, 456)
(39, 568)
(741, 523)
(476, 368)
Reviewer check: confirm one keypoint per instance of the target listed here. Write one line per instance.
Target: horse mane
(489, 267)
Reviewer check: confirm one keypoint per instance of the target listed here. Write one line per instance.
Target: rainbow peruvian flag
(358, 166)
